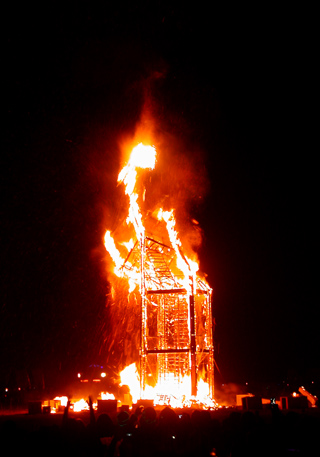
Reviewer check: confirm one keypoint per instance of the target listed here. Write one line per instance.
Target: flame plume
(167, 302)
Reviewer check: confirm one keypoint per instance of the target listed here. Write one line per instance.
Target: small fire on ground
(77, 405)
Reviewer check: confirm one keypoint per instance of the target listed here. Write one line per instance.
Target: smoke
(226, 394)
(179, 180)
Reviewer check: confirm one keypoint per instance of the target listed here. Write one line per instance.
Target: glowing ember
(176, 345)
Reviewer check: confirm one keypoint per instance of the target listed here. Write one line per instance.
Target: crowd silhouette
(148, 432)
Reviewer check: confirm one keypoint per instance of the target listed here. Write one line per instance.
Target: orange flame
(187, 266)
(141, 157)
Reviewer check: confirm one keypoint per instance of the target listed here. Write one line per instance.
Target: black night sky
(238, 87)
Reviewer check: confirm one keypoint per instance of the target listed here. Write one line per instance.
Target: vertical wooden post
(143, 317)
(193, 347)
(210, 331)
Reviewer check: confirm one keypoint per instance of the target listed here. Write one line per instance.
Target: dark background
(240, 86)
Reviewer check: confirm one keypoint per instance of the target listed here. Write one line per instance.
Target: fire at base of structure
(176, 345)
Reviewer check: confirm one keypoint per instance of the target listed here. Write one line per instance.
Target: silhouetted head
(200, 418)
(123, 418)
(168, 417)
(105, 426)
(149, 417)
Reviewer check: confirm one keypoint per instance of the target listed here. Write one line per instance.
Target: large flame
(144, 157)
(175, 390)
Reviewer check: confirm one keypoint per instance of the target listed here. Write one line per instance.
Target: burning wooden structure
(176, 322)
(176, 340)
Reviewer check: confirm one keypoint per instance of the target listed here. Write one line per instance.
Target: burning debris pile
(165, 294)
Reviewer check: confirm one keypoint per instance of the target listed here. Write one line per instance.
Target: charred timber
(171, 351)
(174, 291)
(166, 291)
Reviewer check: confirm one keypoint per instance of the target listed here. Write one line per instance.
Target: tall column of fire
(176, 352)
